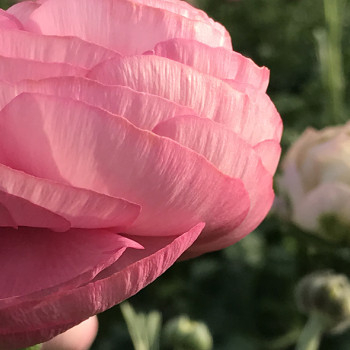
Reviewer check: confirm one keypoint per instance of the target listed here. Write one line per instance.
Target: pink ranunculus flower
(316, 177)
(130, 135)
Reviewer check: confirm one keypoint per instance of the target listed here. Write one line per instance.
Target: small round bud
(185, 334)
(327, 294)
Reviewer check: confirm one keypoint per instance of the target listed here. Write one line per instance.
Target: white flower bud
(316, 178)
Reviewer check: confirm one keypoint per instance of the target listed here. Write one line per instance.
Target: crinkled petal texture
(123, 147)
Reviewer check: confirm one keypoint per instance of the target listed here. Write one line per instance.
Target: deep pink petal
(141, 109)
(52, 49)
(269, 152)
(234, 157)
(128, 27)
(16, 211)
(7, 21)
(16, 69)
(54, 261)
(32, 322)
(219, 62)
(208, 96)
(48, 137)
(82, 208)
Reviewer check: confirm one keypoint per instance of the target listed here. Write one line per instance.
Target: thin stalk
(310, 336)
(331, 59)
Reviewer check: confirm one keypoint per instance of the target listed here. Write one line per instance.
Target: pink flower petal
(16, 69)
(219, 62)
(52, 49)
(22, 10)
(141, 109)
(7, 21)
(128, 27)
(184, 9)
(269, 152)
(48, 137)
(7, 92)
(16, 211)
(81, 208)
(54, 261)
(209, 97)
(234, 157)
(32, 322)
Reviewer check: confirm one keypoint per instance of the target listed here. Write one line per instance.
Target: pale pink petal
(48, 137)
(52, 49)
(219, 62)
(23, 9)
(79, 337)
(269, 152)
(7, 21)
(82, 208)
(47, 261)
(234, 157)
(128, 27)
(209, 97)
(183, 8)
(328, 198)
(17, 211)
(16, 69)
(142, 109)
(32, 322)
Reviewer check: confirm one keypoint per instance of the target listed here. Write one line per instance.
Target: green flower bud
(327, 294)
(183, 334)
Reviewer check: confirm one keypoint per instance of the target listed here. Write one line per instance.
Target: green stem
(310, 336)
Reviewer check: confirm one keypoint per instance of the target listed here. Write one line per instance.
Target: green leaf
(144, 329)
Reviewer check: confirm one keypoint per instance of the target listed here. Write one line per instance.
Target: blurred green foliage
(4, 4)
(245, 293)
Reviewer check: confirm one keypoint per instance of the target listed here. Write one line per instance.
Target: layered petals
(17, 211)
(7, 21)
(22, 11)
(209, 97)
(81, 208)
(141, 109)
(166, 179)
(216, 61)
(118, 32)
(14, 70)
(73, 258)
(33, 320)
(52, 49)
(232, 156)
